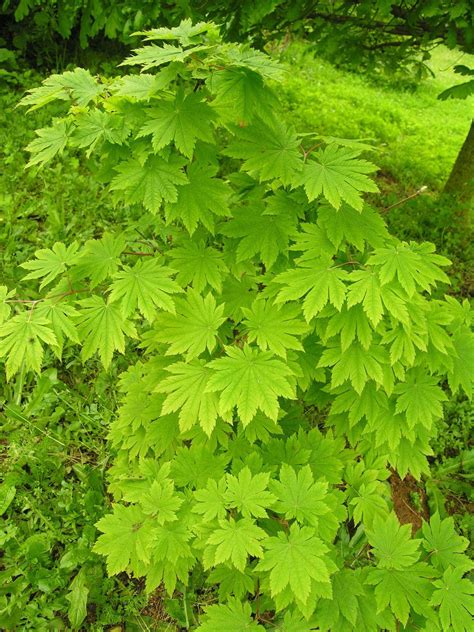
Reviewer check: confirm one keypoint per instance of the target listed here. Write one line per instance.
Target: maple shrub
(284, 349)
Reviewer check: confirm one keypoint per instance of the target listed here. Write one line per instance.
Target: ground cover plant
(283, 354)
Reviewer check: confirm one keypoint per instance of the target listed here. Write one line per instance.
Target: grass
(417, 136)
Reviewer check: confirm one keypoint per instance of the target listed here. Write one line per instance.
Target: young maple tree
(284, 349)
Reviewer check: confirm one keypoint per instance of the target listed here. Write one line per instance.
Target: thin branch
(410, 197)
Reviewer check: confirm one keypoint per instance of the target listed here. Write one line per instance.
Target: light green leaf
(250, 380)
(339, 174)
(103, 328)
(50, 262)
(145, 286)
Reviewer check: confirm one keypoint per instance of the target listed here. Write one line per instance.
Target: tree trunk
(461, 180)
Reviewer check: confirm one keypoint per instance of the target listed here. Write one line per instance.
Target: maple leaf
(299, 496)
(318, 281)
(250, 379)
(355, 227)
(313, 242)
(454, 596)
(126, 540)
(186, 32)
(161, 501)
(461, 373)
(183, 120)
(420, 398)
(193, 329)
(339, 174)
(275, 328)
(356, 364)
(198, 264)
(50, 262)
(269, 153)
(294, 559)
(100, 258)
(151, 183)
(152, 56)
(187, 392)
(211, 501)
(21, 341)
(61, 317)
(403, 590)
(77, 85)
(95, 126)
(444, 546)
(240, 95)
(365, 289)
(349, 324)
(147, 285)
(50, 142)
(235, 540)
(274, 233)
(412, 264)
(203, 197)
(233, 616)
(392, 544)
(249, 494)
(103, 328)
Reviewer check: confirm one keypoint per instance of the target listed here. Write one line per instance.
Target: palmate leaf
(444, 546)
(161, 501)
(339, 175)
(50, 142)
(201, 199)
(250, 380)
(319, 281)
(454, 596)
(152, 183)
(145, 286)
(21, 341)
(50, 262)
(249, 494)
(269, 153)
(233, 616)
(299, 496)
(274, 233)
(198, 264)
(392, 543)
(413, 265)
(95, 126)
(187, 392)
(127, 538)
(294, 559)
(100, 258)
(77, 85)
(102, 327)
(272, 327)
(420, 397)
(240, 95)
(356, 227)
(356, 364)
(183, 120)
(193, 329)
(153, 56)
(61, 317)
(211, 502)
(186, 32)
(403, 590)
(365, 289)
(234, 541)
(461, 374)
